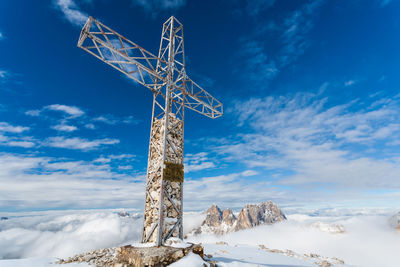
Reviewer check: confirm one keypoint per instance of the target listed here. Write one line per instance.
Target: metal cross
(173, 91)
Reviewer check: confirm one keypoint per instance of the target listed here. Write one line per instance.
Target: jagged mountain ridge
(221, 222)
(395, 221)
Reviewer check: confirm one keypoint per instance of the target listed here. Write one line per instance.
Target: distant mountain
(221, 222)
(395, 221)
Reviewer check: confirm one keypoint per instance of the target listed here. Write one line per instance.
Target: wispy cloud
(197, 162)
(349, 83)
(70, 110)
(10, 135)
(15, 141)
(251, 8)
(33, 113)
(296, 27)
(263, 65)
(301, 139)
(30, 182)
(254, 7)
(112, 120)
(71, 12)
(156, 6)
(260, 66)
(78, 143)
(6, 127)
(4, 74)
(64, 128)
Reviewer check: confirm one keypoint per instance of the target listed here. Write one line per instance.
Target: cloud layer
(304, 139)
(368, 240)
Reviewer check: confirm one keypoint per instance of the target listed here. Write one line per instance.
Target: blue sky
(310, 91)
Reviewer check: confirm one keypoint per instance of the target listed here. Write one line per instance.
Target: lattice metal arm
(198, 99)
(122, 54)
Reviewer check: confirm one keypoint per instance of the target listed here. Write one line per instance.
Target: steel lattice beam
(173, 91)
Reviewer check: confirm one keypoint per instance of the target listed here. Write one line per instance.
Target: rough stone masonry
(172, 179)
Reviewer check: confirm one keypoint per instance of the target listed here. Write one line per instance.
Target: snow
(176, 243)
(245, 255)
(192, 260)
(38, 262)
(368, 241)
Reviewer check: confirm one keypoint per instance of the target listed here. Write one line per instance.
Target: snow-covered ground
(37, 239)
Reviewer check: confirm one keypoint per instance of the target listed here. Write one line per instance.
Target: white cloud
(249, 173)
(112, 120)
(6, 127)
(78, 143)
(66, 235)
(25, 144)
(71, 12)
(13, 141)
(197, 162)
(30, 182)
(33, 113)
(70, 110)
(90, 126)
(368, 240)
(65, 128)
(107, 120)
(302, 141)
(349, 83)
(4, 74)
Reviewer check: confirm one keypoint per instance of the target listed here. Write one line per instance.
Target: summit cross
(173, 91)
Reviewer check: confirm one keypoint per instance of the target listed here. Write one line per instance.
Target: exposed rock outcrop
(263, 213)
(221, 222)
(214, 216)
(329, 228)
(129, 256)
(395, 221)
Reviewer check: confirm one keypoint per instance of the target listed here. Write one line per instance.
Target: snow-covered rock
(395, 221)
(256, 214)
(222, 222)
(329, 227)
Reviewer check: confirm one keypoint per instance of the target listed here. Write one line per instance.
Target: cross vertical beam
(163, 201)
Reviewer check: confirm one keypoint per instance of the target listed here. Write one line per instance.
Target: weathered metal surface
(173, 91)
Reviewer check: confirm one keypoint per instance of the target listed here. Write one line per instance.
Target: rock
(228, 217)
(129, 256)
(123, 214)
(329, 228)
(3, 219)
(221, 222)
(214, 216)
(172, 189)
(155, 256)
(263, 213)
(394, 221)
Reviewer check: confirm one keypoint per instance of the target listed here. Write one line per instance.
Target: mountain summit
(221, 222)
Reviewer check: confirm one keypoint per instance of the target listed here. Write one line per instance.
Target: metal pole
(166, 117)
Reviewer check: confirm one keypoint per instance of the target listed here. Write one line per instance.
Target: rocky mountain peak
(214, 216)
(255, 214)
(228, 217)
(395, 221)
(220, 222)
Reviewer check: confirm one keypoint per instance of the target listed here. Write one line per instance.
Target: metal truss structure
(173, 91)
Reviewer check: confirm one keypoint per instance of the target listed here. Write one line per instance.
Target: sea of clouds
(368, 240)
